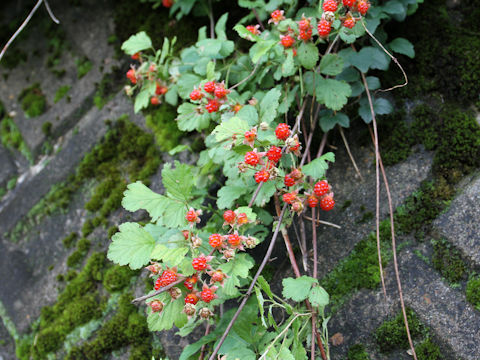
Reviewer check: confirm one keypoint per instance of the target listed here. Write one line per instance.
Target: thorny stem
(352, 159)
(159, 291)
(252, 285)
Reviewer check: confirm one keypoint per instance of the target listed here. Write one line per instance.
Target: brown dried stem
(352, 159)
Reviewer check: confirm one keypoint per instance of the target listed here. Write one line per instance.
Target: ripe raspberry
(330, 5)
(234, 239)
(191, 216)
(304, 24)
(348, 3)
(156, 305)
(242, 219)
(294, 147)
(363, 7)
(199, 263)
(282, 131)
(167, 277)
(190, 282)
(218, 276)
(186, 234)
(252, 158)
(253, 29)
(324, 28)
(229, 216)
(312, 201)
(305, 35)
(250, 135)
(287, 41)
(262, 176)
(296, 174)
(136, 56)
(131, 76)
(288, 181)
(276, 16)
(212, 105)
(349, 22)
(289, 197)
(191, 299)
(154, 100)
(274, 154)
(167, 3)
(209, 87)
(220, 91)
(321, 188)
(237, 108)
(207, 295)
(196, 95)
(161, 90)
(152, 68)
(327, 203)
(215, 240)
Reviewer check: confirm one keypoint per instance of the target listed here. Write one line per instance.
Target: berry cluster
(321, 195)
(212, 96)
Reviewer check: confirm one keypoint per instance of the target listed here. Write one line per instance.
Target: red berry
(253, 29)
(349, 22)
(196, 95)
(262, 176)
(229, 216)
(167, 277)
(154, 100)
(321, 188)
(363, 7)
(304, 24)
(250, 135)
(289, 197)
(212, 105)
(324, 27)
(305, 35)
(327, 203)
(236, 108)
(252, 158)
(191, 216)
(348, 3)
(188, 284)
(207, 295)
(312, 201)
(131, 76)
(199, 263)
(288, 181)
(234, 239)
(287, 41)
(274, 154)
(136, 56)
(191, 299)
(161, 90)
(209, 87)
(282, 131)
(330, 5)
(156, 305)
(242, 219)
(221, 92)
(218, 276)
(276, 16)
(167, 3)
(215, 240)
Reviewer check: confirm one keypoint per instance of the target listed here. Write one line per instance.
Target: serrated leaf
(347, 35)
(307, 55)
(227, 195)
(269, 105)
(138, 42)
(189, 119)
(265, 194)
(265, 286)
(238, 266)
(328, 120)
(170, 256)
(333, 93)
(186, 83)
(317, 167)
(245, 34)
(210, 71)
(228, 128)
(172, 314)
(249, 114)
(164, 52)
(260, 48)
(220, 27)
(369, 58)
(138, 196)
(288, 68)
(297, 289)
(381, 106)
(132, 245)
(393, 7)
(318, 297)
(174, 214)
(331, 64)
(179, 181)
(402, 46)
(261, 301)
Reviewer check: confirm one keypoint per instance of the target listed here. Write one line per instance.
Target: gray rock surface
(7, 168)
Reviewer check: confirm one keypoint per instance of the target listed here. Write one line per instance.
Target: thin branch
(352, 159)
(314, 243)
(202, 351)
(159, 291)
(247, 78)
(255, 194)
(322, 145)
(212, 22)
(252, 285)
(258, 19)
(323, 222)
(392, 57)
(303, 236)
(50, 12)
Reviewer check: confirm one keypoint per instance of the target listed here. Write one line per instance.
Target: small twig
(330, 46)
(159, 291)
(352, 159)
(212, 22)
(258, 19)
(247, 78)
(252, 285)
(392, 57)
(322, 145)
(312, 343)
(323, 222)
(255, 194)
(50, 12)
(314, 243)
(202, 351)
(303, 236)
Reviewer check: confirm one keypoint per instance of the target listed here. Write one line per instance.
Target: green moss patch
(33, 101)
(11, 137)
(357, 352)
(83, 67)
(447, 260)
(473, 291)
(162, 122)
(61, 93)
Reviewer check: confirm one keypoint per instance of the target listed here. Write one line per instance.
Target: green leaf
(228, 194)
(186, 83)
(174, 214)
(178, 149)
(245, 34)
(172, 314)
(307, 54)
(393, 7)
(288, 68)
(265, 194)
(249, 114)
(136, 43)
(210, 71)
(331, 64)
(179, 181)
(402, 46)
(189, 119)
(170, 256)
(138, 196)
(165, 49)
(220, 27)
(265, 286)
(318, 297)
(261, 301)
(192, 349)
(132, 245)
(317, 167)
(347, 35)
(238, 266)
(248, 211)
(297, 289)
(228, 128)
(285, 354)
(369, 58)
(269, 105)
(260, 48)
(333, 93)
(381, 106)
(328, 120)
(142, 100)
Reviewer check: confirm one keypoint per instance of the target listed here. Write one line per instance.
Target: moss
(33, 101)
(428, 350)
(12, 183)
(112, 230)
(70, 240)
(3, 191)
(397, 142)
(473, 291)
(346, 205)
(83, 67)
(359, 269)
(48, 340)
(87, 228)
(57, 44)
(61, 93)
(357, 352)
(11, 137)
(23, 348)
(75, 258)
(392, 335)
(106, 89)
(117, 278)
(162, 122)
(448, 261)
(47, 128)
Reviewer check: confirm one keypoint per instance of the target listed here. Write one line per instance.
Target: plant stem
(352, 159)
(202, 351)
(159, 291)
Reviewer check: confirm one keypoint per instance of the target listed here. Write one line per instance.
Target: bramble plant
(302, 76)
